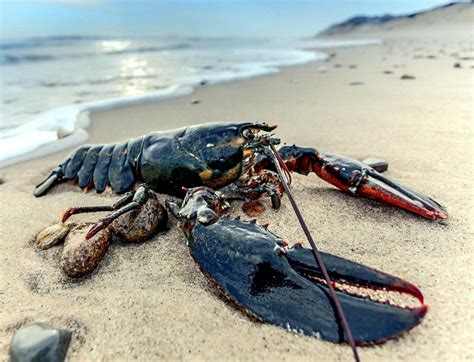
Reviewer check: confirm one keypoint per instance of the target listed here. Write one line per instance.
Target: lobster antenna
(345, 325)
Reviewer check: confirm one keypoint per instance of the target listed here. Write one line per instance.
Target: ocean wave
(36, 42)
(149, 49)
(65, 127)
(12, 59)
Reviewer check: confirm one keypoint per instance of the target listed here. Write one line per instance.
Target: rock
(337, 65)
(407, 76)
(2, 179)
(195, 101)
(352, 66)
(457, 65)
(39, 342)
(356, 83)
(81, 256)
(378, 164)
(387, 72)
(140, 225)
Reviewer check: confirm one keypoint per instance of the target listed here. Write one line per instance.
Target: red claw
(360, 179)
(381, 188)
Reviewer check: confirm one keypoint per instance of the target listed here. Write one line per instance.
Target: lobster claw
(284, 287)
(360, 179)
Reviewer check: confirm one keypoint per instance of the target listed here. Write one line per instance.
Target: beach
(148, 301)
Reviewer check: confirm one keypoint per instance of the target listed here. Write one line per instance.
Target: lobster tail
(98, 166)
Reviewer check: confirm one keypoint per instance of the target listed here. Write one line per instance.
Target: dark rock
(39, 342)
(377, 163)
(457, 65)
(407, 76)
(195, 101)
(387, 72)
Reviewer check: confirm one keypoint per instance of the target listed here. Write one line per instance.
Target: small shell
(52, 235)
(81, 256)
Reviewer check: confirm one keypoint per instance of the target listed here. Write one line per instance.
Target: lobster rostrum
(255, 269)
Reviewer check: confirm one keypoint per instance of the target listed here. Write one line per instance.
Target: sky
(252, 18)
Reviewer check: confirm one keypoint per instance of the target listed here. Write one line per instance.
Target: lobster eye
(248, 134)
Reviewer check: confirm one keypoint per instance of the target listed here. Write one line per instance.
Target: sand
(148, 301)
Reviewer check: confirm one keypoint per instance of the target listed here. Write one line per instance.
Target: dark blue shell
(173, 159)
(239, 257)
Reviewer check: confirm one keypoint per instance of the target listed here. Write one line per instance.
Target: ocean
(55, 66)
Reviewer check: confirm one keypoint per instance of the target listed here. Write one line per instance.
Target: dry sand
(148, 301)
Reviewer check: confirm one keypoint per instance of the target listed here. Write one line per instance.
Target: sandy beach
(148, 301)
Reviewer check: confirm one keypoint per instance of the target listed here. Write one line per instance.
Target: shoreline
(148, 300)
(67, 126)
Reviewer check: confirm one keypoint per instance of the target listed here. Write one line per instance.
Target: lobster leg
(359, 179)
(86, 209)
(129, 202)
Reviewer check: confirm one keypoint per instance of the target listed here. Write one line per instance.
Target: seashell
(52, 235)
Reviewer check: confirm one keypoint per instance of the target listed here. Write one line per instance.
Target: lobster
(257, 271)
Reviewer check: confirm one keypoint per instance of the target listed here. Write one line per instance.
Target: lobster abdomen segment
(102, 167)
(98, 166)
(121, 177)
(85, 173)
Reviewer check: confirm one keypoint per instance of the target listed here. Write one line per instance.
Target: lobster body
(218, 154)
(210, 155)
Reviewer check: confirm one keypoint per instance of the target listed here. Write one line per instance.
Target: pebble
(356, 83)
(81, 256)
(195, 101)
(39, 342)
(407, 76)
(457, 65)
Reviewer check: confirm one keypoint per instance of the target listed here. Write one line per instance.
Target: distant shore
(408, 100)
